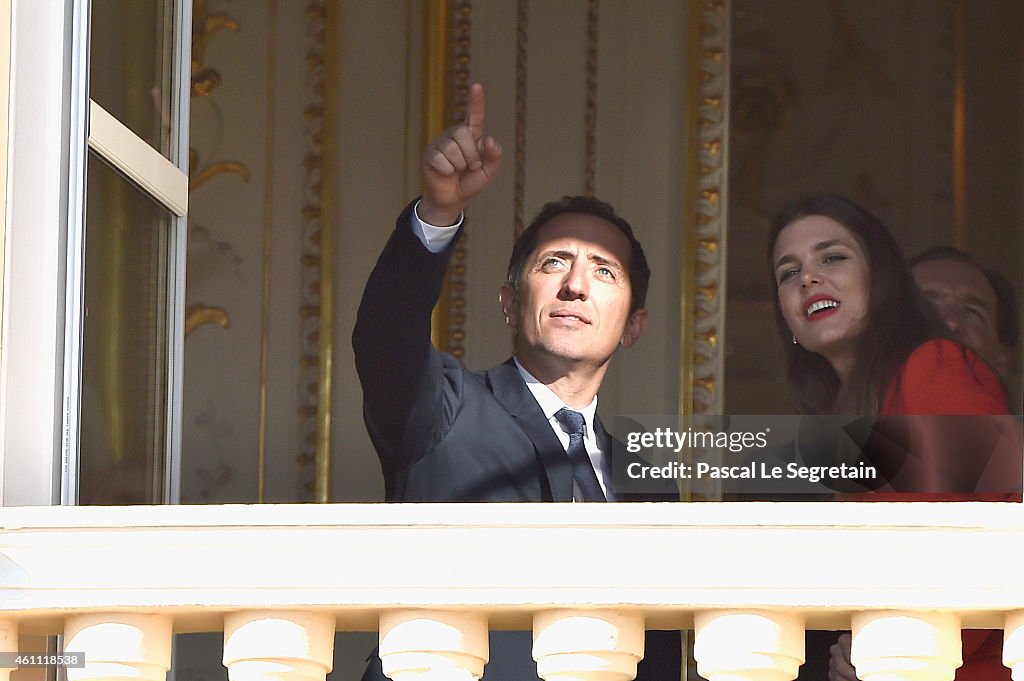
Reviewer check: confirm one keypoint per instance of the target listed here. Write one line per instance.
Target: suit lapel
(509, 389)
(606, 443)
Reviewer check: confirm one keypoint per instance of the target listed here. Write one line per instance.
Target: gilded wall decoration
(317, 258)
(207, 253)
(450, 314)
(206, 79)
(703, 298)
(205, 26)
(703, 267)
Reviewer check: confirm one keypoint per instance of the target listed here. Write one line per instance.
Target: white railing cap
(667, 560)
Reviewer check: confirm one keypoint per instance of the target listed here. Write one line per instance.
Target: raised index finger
(475, 112)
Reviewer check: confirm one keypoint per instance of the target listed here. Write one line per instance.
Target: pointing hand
(458, 165)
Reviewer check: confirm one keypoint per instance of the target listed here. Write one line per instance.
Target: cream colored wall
(263, 61)
(378, 133)
(226, 223)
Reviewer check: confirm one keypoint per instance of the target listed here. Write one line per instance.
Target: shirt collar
(550, 402)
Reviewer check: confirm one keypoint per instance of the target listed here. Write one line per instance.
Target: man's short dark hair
(639, 272)
(1007, 321)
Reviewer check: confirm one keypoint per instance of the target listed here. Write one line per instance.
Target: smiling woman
(851, 317)
(860, 338)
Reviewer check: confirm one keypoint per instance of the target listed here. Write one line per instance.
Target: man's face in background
(968, 304)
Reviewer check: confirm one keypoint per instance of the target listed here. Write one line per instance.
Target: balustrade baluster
(272, 645)
(428, 645)
(119, 646)
(585, 645)
(906, 646)
(1013, 644)
(733, 645)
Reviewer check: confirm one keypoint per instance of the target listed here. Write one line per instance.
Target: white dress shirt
(434, 239)
(550, 403)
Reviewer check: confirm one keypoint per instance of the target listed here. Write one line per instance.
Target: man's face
(572, 302)
(967, 302)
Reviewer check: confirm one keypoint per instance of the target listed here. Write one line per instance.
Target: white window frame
(52, 124)
(5, 92)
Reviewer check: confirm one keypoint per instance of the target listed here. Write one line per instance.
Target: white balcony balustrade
(588, 579)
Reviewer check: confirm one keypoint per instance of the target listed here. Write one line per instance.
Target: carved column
(428, 644)
(1013, 644)
(598, 645)
(734, 645)
(119, 646)
(8, 644)
(906, 646)
(272, 645)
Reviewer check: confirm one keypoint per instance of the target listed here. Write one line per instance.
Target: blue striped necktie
(582, 470)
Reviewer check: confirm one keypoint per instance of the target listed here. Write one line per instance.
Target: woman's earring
(794, 341)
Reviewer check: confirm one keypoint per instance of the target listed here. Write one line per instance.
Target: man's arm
(402, 376)
(397, 366)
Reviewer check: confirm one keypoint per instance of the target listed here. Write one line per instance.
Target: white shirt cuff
(434, 239)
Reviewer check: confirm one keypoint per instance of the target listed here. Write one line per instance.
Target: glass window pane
(131, 65)
(125, 342)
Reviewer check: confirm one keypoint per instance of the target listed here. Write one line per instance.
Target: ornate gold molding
(201, 177)
(198, 315)
(326, 340)
(317, 260)
(206, 79)
(455, 287)
(448, 26)
(268, 220)
(702, 367)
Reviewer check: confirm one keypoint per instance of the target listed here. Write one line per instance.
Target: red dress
(944, 378)
(962, 444)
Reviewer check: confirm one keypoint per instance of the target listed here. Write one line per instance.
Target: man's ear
(509, 299)
(634, 327)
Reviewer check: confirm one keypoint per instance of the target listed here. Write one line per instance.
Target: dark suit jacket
(444, 433)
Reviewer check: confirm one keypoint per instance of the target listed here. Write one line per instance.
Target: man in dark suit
(525, 430)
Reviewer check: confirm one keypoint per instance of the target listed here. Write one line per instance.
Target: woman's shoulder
(949, 355)
(939, 352)
(942, 376)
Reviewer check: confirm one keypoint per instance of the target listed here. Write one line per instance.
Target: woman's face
(824, 284)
